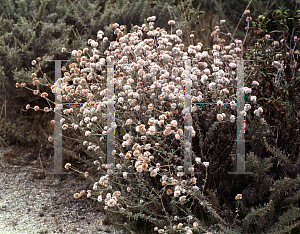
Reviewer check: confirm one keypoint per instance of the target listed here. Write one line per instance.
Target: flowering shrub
(149, 79)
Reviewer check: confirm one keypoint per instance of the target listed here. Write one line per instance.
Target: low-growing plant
(149, 77)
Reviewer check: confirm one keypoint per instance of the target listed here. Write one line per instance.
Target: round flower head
(178, 32)
(171, 22)
(77, 195)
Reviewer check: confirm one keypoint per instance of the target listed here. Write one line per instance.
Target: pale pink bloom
(174, 182)
(36, 81)
(206, 164)
(211, 85)
(27, 106)
(152, 130)
(220, 117)
(182, 198)
(247, 90)
(65, 126)
(153, 173)
(257, 113)
(125, 174)
(232, 65)
(33, 62)
(171, 22)
(224, 91)
(253, 98)
(222, 21)
(198, 160)
(36, 108)
(178, 32)
(176, 193)
(174, 123)
(36, 92)
(136, 152)
(151, 121)
(232, 118)
(206, 71)
(44, 94)
(67, 165)
(193, 180)
(147, 146)
(127, 155)
(173, 105)
(150, 106)
(136, 108)
(180, 225)
(167, 131)
(139, 169)
(195, 224)
(255, 83)
(247, 107)
(233, 105)
(220, 103)
(128, 122)
(141, 128)
(85, 50)
(204, 78)
(117, 193)
(77, 195)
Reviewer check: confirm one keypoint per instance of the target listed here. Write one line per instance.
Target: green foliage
(273, 64)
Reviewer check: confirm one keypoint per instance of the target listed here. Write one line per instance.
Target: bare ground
(32, 201)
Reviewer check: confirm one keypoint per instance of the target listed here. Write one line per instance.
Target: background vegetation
(270, 204)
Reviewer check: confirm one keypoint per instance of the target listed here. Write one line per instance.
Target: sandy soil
(32, 201)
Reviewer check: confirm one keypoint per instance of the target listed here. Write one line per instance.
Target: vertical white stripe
(240, 151)
(187, 118)
(110, 116)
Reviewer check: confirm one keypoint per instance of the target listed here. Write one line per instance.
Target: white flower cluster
(150, 81)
